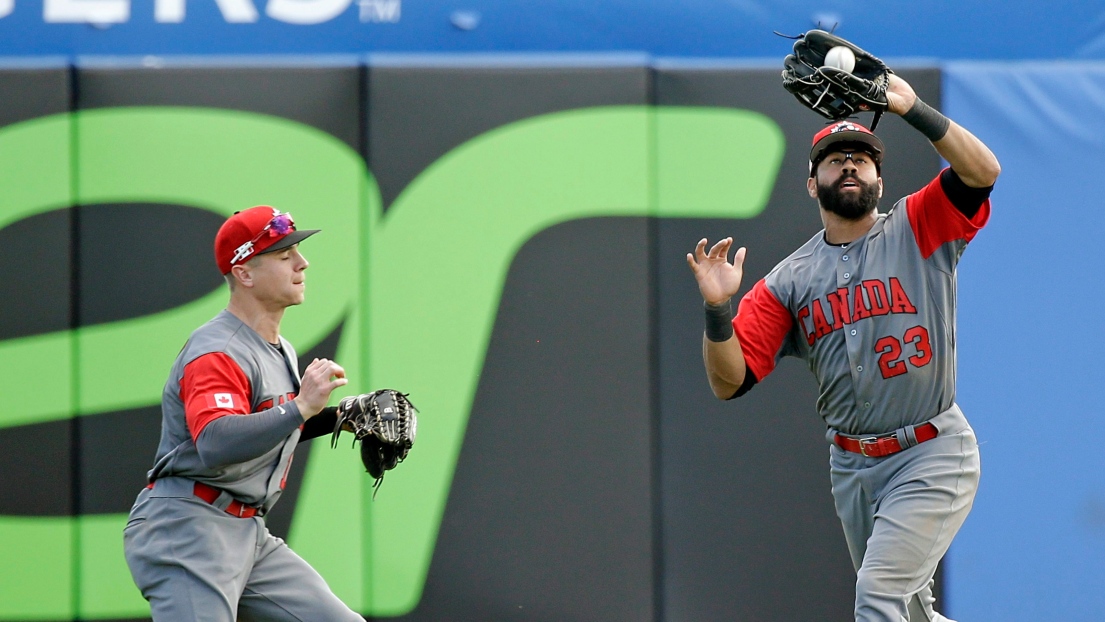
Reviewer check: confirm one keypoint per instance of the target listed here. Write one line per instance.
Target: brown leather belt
(883, 445)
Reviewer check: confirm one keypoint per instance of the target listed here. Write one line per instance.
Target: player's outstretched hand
(320, 379)
(718, 280)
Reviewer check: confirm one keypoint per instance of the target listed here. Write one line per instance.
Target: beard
(850, 206)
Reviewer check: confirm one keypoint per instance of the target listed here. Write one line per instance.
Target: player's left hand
(899, 95)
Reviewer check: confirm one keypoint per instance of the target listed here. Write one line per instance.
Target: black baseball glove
(385, 422)
(832, 92)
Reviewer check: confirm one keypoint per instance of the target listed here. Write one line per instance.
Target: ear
(242, 274)
(880, 187)
(811, 187)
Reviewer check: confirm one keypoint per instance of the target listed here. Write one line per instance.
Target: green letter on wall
(451, 236)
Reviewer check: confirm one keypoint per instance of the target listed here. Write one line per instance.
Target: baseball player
(869, 303)
(233, 410)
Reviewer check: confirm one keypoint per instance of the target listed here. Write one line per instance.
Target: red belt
(879, 446)
(236, 508)
(209, 494)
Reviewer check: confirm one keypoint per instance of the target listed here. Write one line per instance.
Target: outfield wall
(503, 240)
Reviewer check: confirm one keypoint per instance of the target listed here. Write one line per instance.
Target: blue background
(934, 29)
(1030, 336)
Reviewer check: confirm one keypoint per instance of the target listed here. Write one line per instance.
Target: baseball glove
(385, 422)
(831, 92)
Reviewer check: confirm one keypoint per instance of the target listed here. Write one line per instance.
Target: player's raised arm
(968, 156)
(718, 281)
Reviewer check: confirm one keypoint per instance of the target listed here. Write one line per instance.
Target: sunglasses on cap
(280, 224)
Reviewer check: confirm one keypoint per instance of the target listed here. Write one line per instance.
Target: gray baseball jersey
(874, 319)
(231, 370)
(229, 427)
(875, 322)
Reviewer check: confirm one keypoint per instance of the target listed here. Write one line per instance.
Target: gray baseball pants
(900, 514)
(192, 561)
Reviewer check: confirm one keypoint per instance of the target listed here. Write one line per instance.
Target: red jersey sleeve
(936, 221)
(213, 386)
(762, 323)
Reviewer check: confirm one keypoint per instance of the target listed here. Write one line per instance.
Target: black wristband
(927, 120)
(719, 321)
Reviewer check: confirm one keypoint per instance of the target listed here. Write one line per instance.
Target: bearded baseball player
(233, 410)
(870, 304)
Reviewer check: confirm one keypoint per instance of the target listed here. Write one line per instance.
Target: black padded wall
(598, 479)
(550, 515)
(36, 298)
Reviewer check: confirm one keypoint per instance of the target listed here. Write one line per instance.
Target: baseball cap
(255, 231)
(858, 136)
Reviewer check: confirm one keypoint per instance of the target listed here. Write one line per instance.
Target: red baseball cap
(845, 131)
(255, 231)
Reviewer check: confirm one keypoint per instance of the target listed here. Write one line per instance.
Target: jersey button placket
(848, 275)
(844, 257)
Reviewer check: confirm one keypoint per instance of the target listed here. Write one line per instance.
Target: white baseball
(842, 58)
